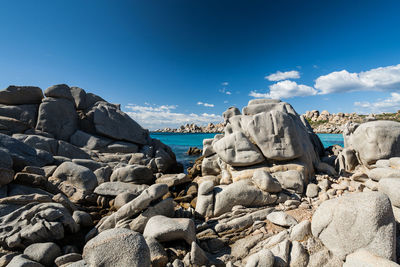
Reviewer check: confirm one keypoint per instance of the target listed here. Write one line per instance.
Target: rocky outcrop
(193, 128)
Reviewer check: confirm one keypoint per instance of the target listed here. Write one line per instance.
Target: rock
(263, 258)
(18, 95)
(312, 190)
(117, 247)
(205, 199)
(281, 218)
(275, 134)
(27, 114)
(375, 140)
(10, 126)
(88, 141)
(158, 256)
(74, 180)
(365, 258)
(103, 174)
(379, 173)
(67, 258)
(121, 147)
(364, 220)
(291, 180)
(34, 223)
(300, 231)
(266, 182)
(391, 187)
(70, 151)
(82, 218)
(230, 112)
(59, 91)
(326, 168)
(237, 150)
(58, 117)
(39, 142)
(298, 255)
(193, 151)
(239, 193)
(6, 173)
(208, 150)
(79, 96)
(122, 199)
(44, 253)
(173, 179)
(88, 163)
(133, 174)
(23, 261)
(165, 229)
(115, 188)
(281, 253)
(115, 124)
(209, 166)
(22, 154)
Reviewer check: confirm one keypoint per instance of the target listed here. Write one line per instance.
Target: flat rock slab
(116, 188)
(173, 179)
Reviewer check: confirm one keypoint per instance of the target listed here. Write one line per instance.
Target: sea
(180, 143)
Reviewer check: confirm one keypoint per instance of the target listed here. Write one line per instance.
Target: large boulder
(391, 187)
(374, 140)
(133, 174)
(116, 188)
(24, 155)
(58, 117)
(117, 247)
(59, 91)
(18, 95)
(45, 253)
(113, 123)
(26, 114)
(354, 221)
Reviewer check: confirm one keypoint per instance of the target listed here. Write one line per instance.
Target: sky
(171, 62)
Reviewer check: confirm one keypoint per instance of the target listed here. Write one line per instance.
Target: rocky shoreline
(82, 184)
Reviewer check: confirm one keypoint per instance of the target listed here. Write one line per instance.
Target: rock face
(117, 247)
(18, 95)
(364, 220)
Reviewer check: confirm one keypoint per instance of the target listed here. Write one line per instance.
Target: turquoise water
(180, 143)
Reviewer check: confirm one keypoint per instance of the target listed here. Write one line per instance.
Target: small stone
(312, 190)
(281, 218)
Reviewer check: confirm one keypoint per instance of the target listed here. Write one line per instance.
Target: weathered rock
(58, 117)
(298, 255)
(230, 112)
(67, 258)
(23, 261)
(116, 188)
(158, 256)
(237, 150)
(121, 147)
(117, 247)
(209, 166)
(22, 154)
(59, 91)
(88, 141)
(165, 229)
(365, 258)
(205, 199)
(79, 96)
(281, 253)
(197, 256)
(133, 174)
(266, 182)
(291, 180)
(300, 231)
(173, 179)
(263, 258)
(26, 114)
(34, 223)
(391, 187)
(364, 220)
(113, 123)
(103, 174)
(18, 95)
(281, 218)
(312, 190)
(44, 253)
(379, 173)
(82, 218)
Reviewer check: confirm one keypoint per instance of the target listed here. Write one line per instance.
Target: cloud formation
(155, 117)
(285, 89)
(279, 76)
(205, 104)
(379, 79)
(389, 104)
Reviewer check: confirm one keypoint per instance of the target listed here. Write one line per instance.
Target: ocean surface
(180, 143)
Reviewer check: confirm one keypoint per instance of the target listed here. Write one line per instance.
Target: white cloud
(228, 93)
(390, 104)
(379, 79)
(279, 76)
(225, 91)
(225, 84)
(205, 104)
(157, 117)
(285, 89)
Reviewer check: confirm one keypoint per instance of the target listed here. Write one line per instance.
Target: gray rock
(11, 126)
(208, 150)
(82, 218)
(133, 174)
(103, 174)
(391, 187)
(18, 95)
(59, 91)
(300, 231)
(158, 255)
(74, 180)
(205, 199)
(312, 190)
(242, 193)
(117, 247)
(364, 258)
(116, 188)
(281, 218)
(298, 255)
(275, 133)
(375, 140)
(70, 151)
(22, 154)
(88, 141)
(379, 173)
(281, 253)
(67, 258)
(6, 173)
(165, 229)
(44, 253)
(26, 114)
(230, 112)
(237, 150)
(122, 199)
(58, 117)
(197, 256)
(34, 223)
(263, 258)
(113, 123)
(121, 147)
(365, 220)
(266, 182)
(209, 166)
(80, 263)
(173, 179)
(89, 163)
(39, 142)
(23, 261)
(291, 180)
(79, 96)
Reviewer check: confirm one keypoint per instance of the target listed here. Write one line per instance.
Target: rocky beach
(83, 184)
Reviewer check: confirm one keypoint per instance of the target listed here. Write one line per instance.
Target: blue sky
(170, 62)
